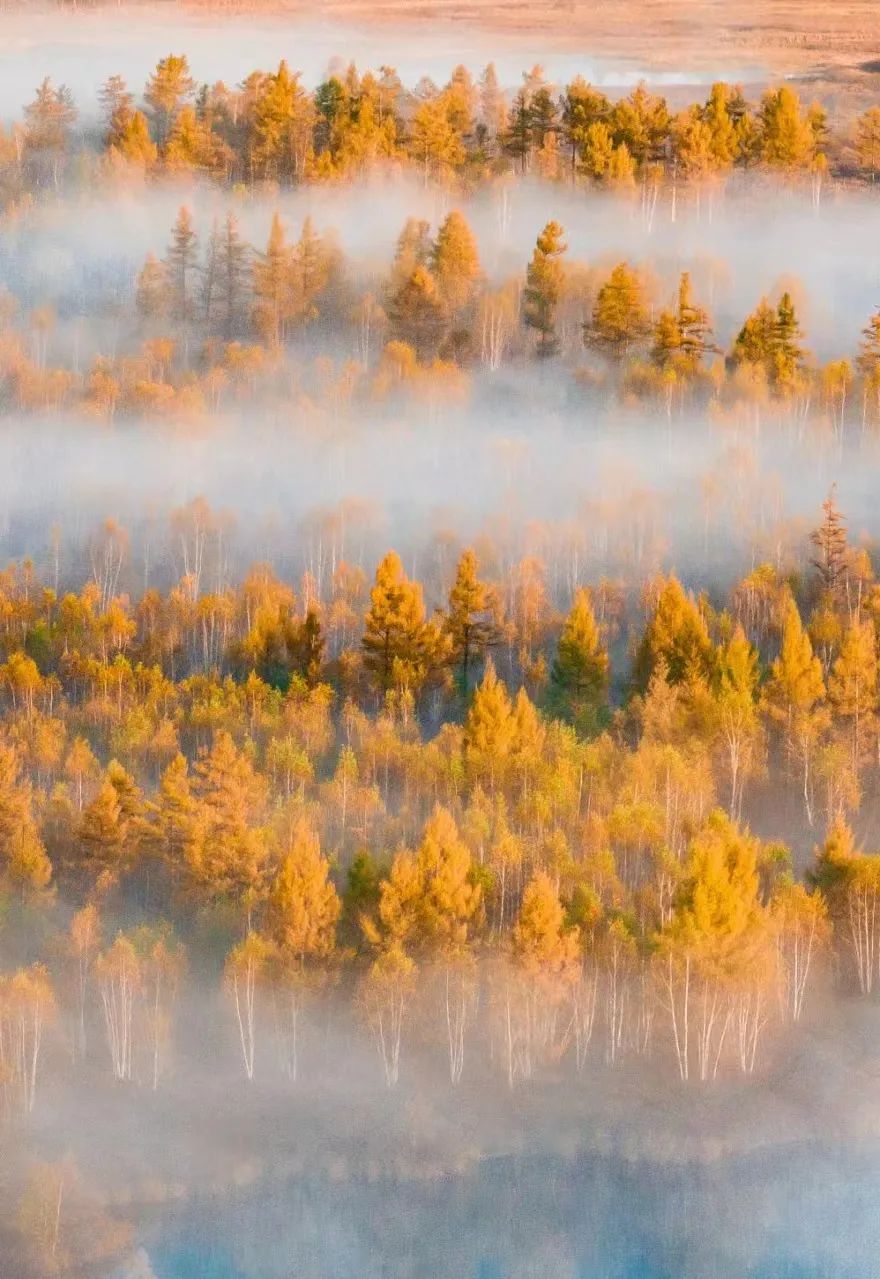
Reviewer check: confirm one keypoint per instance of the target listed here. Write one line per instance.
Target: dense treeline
(271, 127)
(341, 790)
(213, 320)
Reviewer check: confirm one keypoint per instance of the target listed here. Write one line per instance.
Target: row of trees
(272, 127)
(531, 869)
(216, 325)
(207, 652)
(690, 959)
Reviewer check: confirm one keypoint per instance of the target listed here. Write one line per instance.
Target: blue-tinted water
(795, 1214)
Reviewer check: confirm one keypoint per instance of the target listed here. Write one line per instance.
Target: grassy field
(833, 48)
(787, 36)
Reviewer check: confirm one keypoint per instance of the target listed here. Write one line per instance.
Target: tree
(850, 882)
(683, 337)
(84, 940)
(153, 297)
(118, 972)
(831, 560)
(867, 140)
(193, 145)
(620, 318)
(417, 312)
(770, 338)
(171, 817)
(737, 701)
(604, 162)
(795, 694)
(541, 940)
(801, 927)
(579, 675)
(518, 137)
(640, 122)
(302, 910)
(246, 970)
(399, 644)
(227, 847)
(25, 868)
(544, 121)
(852, 687)
(718, 114)
(545, 279)
(413, 249)
(48, 121)
(455, 264)
(309, 645)
(450, 910)
(182, 266)
(312, 265)
(692, 136)
(63, 1225)
(597, 151)
(788, 353)
(104, 835)
(450, 896)
(131, 141)
(27, 1005)
(468, 622)
(384, 997)
(492, 111)
(116, 104)
(233, 278)
(282, 126)
(428, 907)
(835, 385)
(490, 728)
(676, 635)
(162, 965)
(583, 107)
(788, 140)
(168, 88)
(302, 907)
(754, 343)
(709, 953)
(545, 955)
(435, 142)
(273, 302)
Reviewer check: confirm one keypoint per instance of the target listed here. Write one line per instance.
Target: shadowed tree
(545, 279)
(469, 621)
(579, 675)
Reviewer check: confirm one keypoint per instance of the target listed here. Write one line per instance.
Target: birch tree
(27, 1005)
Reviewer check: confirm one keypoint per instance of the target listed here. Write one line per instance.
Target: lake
(796, 1213)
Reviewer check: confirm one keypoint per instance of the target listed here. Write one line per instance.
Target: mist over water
(800, 1213)
(622, 1175)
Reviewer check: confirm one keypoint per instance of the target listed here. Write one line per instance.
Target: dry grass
(786, 36)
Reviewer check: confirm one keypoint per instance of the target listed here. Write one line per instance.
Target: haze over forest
(439, 607)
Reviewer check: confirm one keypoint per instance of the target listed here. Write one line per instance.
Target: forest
(525, 788)
(211, 320)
